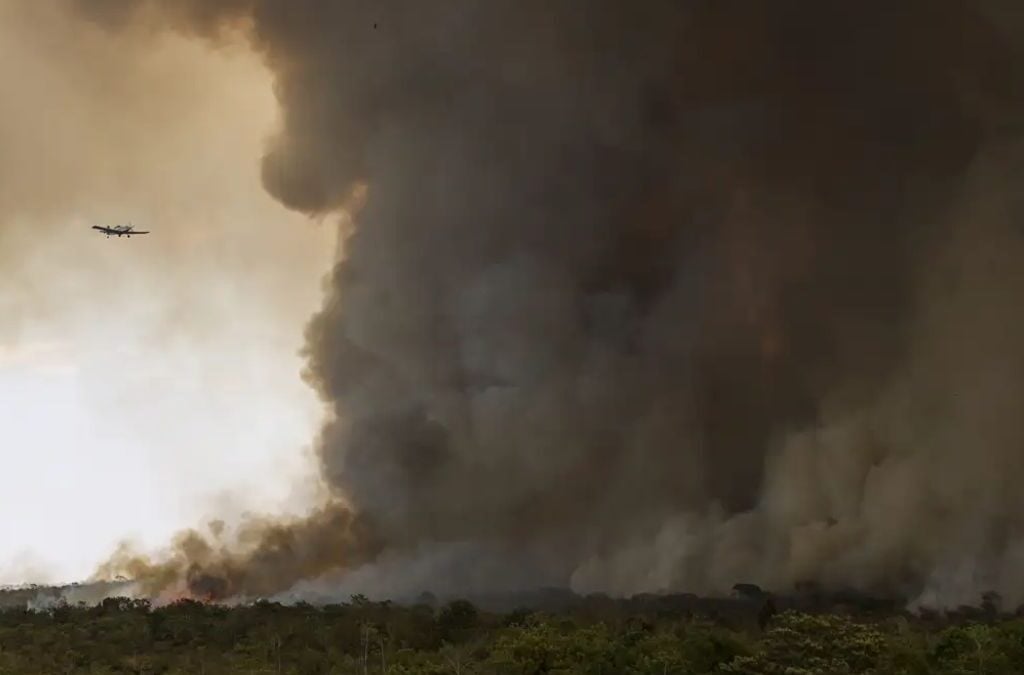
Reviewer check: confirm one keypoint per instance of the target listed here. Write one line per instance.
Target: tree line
(121, 635)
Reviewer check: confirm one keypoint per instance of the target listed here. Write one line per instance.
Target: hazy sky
(143, 380)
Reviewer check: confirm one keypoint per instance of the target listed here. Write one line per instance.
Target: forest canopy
(596, 635)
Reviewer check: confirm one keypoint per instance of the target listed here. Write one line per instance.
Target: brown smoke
(263, 558)
(674, 292)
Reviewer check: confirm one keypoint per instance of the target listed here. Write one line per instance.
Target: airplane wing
(119, 230)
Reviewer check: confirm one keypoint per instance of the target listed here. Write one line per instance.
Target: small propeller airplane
(119, 230)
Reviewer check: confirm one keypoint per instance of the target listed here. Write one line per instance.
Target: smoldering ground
(656, 296)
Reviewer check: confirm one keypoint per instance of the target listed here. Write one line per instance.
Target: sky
(145, 383)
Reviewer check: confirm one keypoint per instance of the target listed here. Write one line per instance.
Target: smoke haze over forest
(641, 297)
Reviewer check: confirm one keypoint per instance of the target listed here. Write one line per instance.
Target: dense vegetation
(129, 636)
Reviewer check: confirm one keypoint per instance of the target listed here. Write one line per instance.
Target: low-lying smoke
(657, 296)
(263, 558)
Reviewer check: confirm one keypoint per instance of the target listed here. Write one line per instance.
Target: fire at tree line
(548, 631)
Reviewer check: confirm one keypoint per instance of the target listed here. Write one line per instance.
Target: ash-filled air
(651, 296)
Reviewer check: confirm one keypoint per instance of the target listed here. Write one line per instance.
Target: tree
(802, 643)
(457, 619)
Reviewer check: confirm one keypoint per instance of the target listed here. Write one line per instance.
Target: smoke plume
(654, 296)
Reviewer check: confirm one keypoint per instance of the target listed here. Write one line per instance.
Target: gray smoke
(662, 295)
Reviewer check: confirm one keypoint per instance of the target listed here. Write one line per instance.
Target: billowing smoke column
(658, 295)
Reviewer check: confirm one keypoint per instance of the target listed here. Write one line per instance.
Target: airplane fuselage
(118, 231)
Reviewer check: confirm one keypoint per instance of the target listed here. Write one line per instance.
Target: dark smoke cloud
(652, 288)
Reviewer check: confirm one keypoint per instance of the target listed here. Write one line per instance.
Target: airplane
(119, 230)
